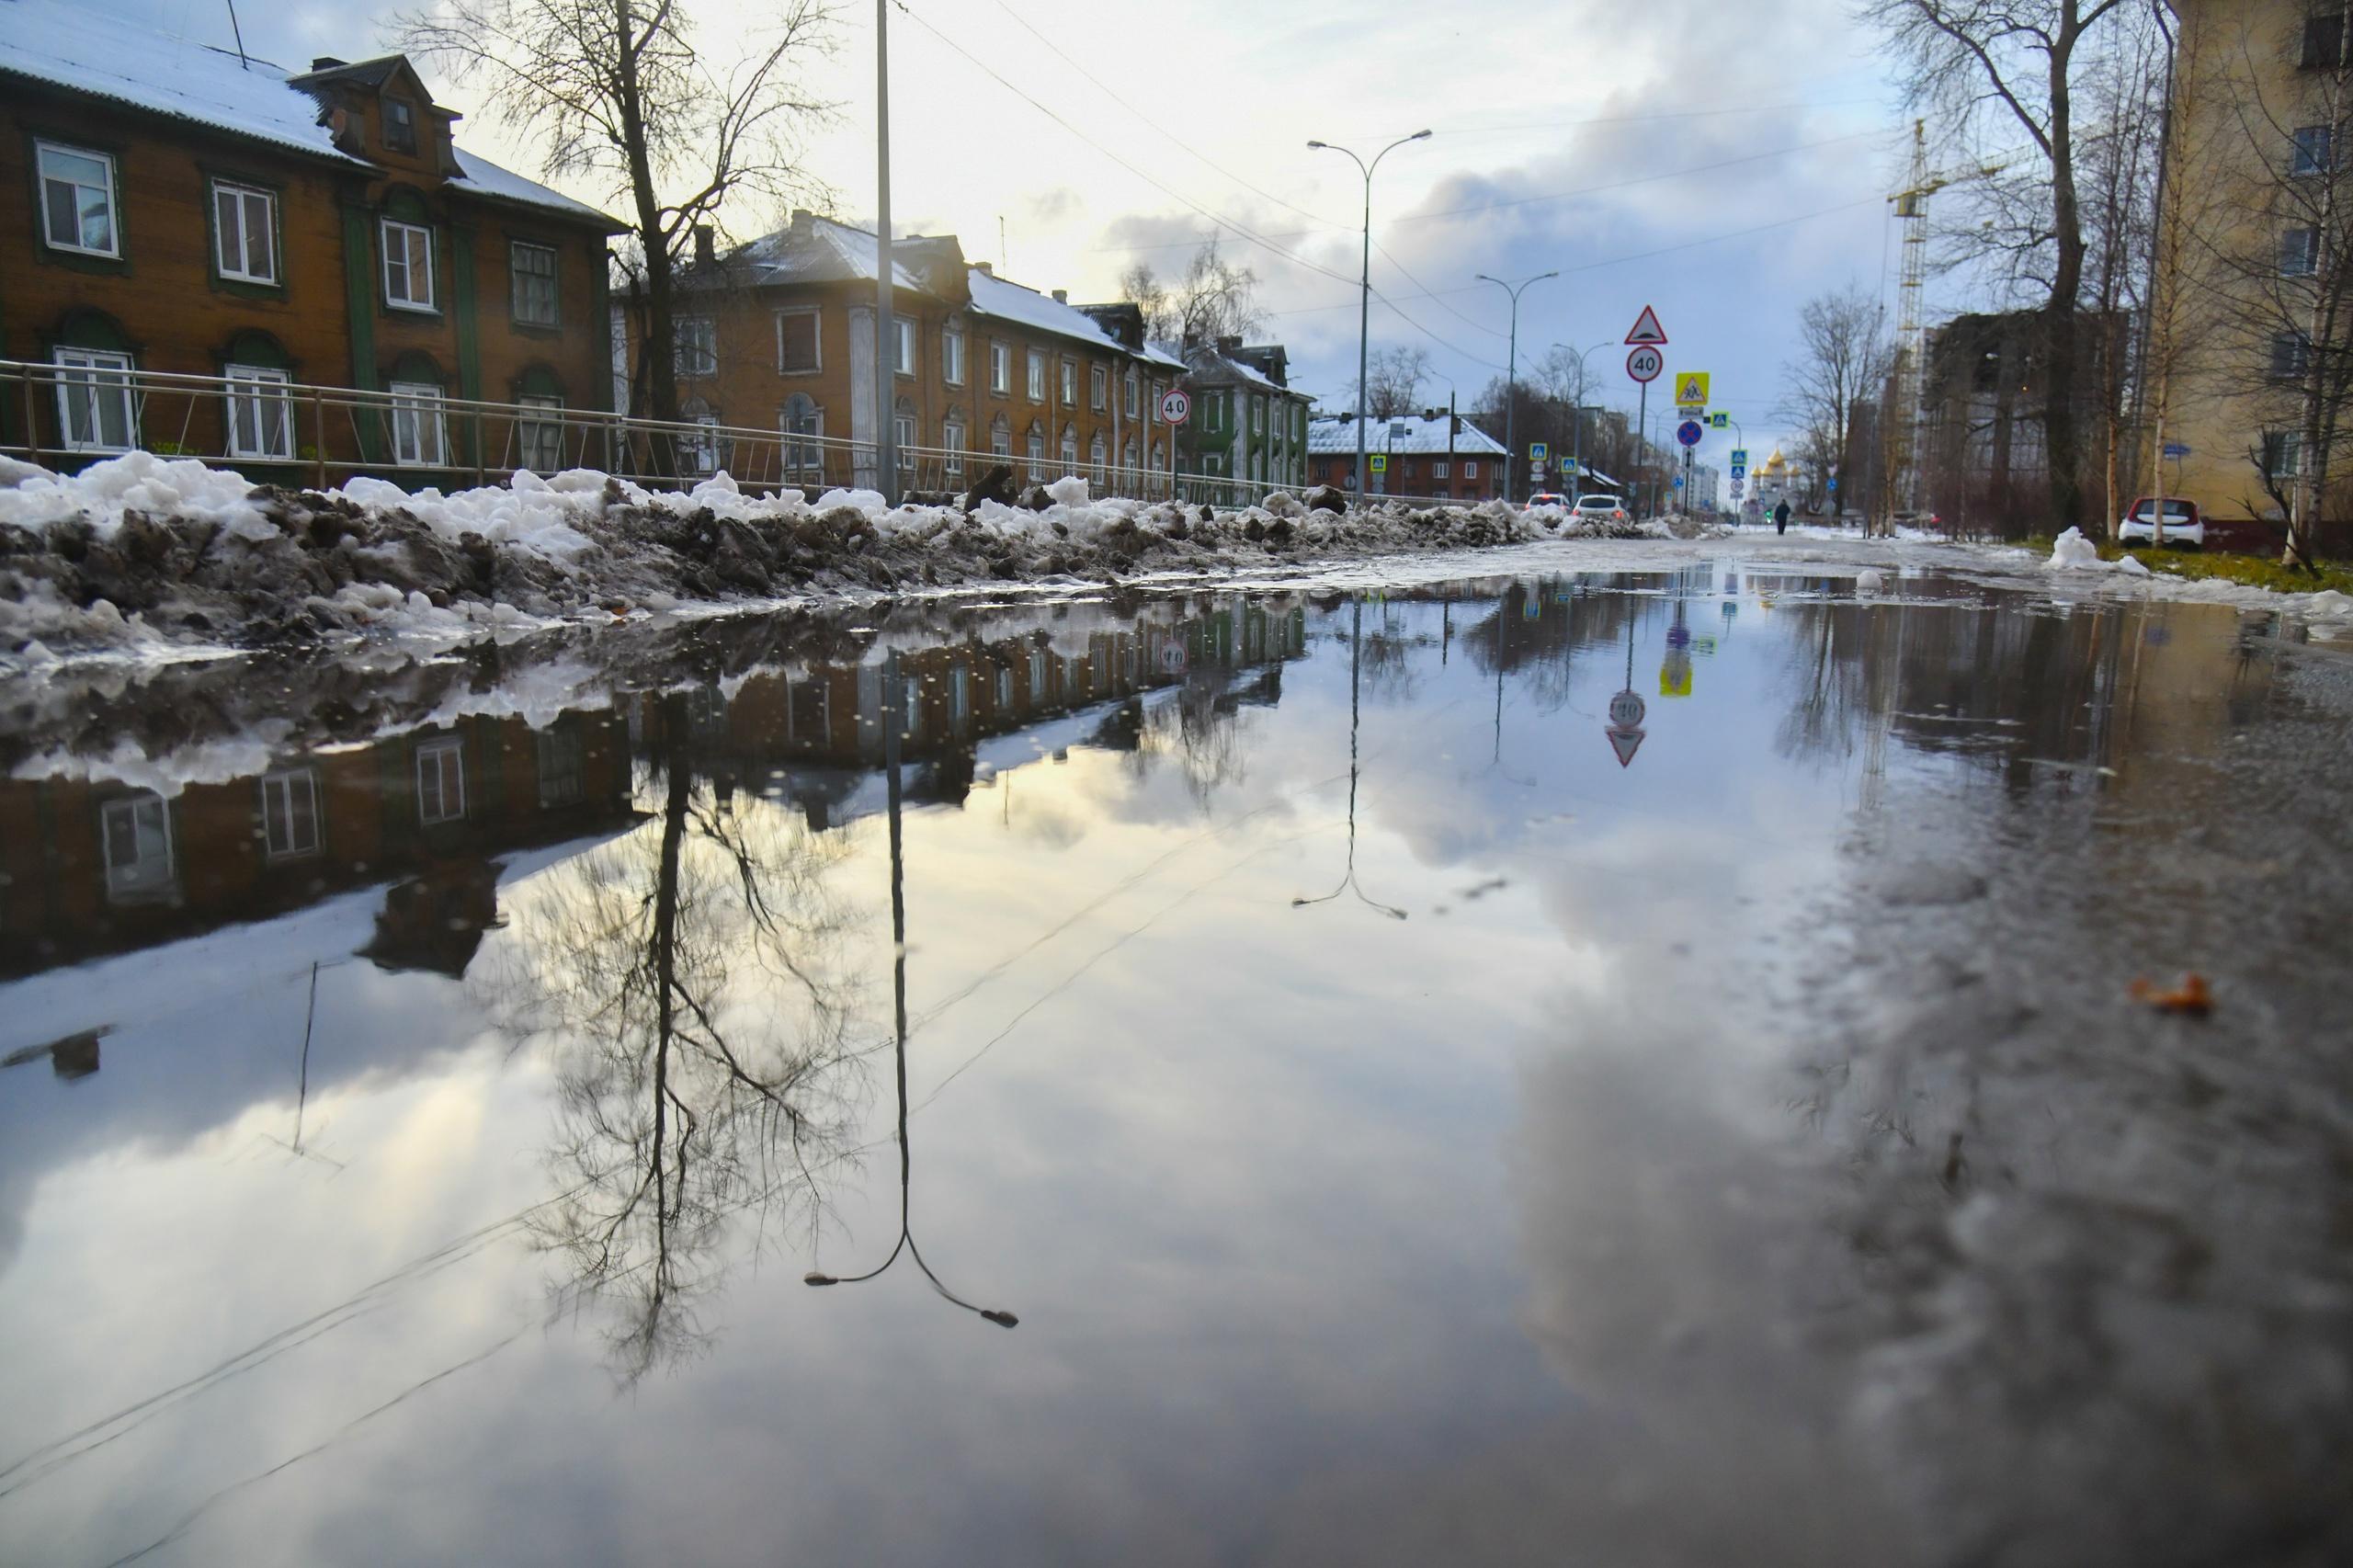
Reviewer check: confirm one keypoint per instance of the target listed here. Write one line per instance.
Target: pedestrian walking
(1781, 517)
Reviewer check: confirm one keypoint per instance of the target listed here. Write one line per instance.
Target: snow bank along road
(148, 556)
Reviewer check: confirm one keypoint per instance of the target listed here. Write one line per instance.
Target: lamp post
(1511, 371)
(1364, 294)
(886, 349)
(1576, 422)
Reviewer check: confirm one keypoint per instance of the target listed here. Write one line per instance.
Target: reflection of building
(87, 868)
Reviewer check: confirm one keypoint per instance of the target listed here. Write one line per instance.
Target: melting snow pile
(2071, 550)
(142, 549)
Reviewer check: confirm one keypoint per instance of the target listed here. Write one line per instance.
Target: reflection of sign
(1704, 646)
(1645, 364)
(1176, 406)
(1691, 388)
(1172, 658)
(1647, 329)
(1625, 743)
(1674, 676)
(1689, 432)
(1626, 710)
(1379, 463)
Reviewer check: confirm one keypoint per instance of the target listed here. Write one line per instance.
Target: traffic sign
(1740, 457)
(1625, 743)
(1647, 329)
(1721, 420)
(1689, 432)
(1176, 406)
(1379, 463)
(1539, 450)
(1833, 483)
(1678, 482)
(1738, 472)
(1691, 388)
(1645, 364)
(2176, 450)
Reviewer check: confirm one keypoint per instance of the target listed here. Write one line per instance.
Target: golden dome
(1777, 463)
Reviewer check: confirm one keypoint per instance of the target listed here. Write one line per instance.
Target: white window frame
(2303, 261)
(516, 277)
(1470, 469)
(1098, 388)
(2301, 143)
(700, 334)
(1000, 367)
(1036, 375)
(1135, 392)
(805, 451)
(242, 199)
(903, 439)
(280, 838)
(903, 358)
(420, 427)
(817, 341)
(1001, 438)
(1068, 450)
(951, 438)
(951, 354)
(146, 819)
(1068, 383)
(447, 754)
(269, 416)
(1441, 469)
(532, 436)
(562, 760)
(42, 150)
(103, 372)
(697, 453)
(412, 237)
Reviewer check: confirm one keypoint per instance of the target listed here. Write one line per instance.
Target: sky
(1724, 165)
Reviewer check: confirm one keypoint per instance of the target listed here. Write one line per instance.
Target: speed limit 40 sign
(1174, 406)
(1646, 364)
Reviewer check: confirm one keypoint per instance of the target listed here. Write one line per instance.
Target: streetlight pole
(1364, 294)
(1576, 422)
(1511, 372)
(886, 358)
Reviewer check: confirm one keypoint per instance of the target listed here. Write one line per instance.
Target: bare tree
(1994, 71)
(1212, 298)
(1844, 356)
(1393, 379)
(2125, 99)
(618, 92)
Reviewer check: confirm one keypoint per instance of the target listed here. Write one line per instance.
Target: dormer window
(400, 126)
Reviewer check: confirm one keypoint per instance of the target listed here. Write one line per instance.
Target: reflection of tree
(691, 983)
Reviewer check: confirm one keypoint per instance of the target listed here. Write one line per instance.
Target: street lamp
(1364, 295)
(1577, 420)
(1511, 370)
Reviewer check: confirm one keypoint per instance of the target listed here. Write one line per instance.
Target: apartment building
(1424, 455)
(1248, 423)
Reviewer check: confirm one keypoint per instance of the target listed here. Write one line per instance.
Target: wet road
(1624, 1070)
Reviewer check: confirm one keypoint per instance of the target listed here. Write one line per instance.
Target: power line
(1500, 128)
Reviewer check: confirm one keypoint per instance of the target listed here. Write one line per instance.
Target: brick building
(778, 334)
(1437, 455)
(1248, 423)
(168, 207)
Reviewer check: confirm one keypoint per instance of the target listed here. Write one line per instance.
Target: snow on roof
(479, 175)
(992, 295)
(835, 253)
(69, 45)
(1411, 434)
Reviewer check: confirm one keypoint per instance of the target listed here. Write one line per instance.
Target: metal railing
(300, 433)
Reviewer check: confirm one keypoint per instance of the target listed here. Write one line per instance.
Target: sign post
(1176, 407)
(1643, 364)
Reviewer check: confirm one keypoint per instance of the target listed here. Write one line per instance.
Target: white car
(1599, 509)
(2184, 525)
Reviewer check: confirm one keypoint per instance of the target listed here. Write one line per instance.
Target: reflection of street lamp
(893, 726)
(1348, 881)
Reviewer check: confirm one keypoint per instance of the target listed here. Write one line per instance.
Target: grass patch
(2254, 570)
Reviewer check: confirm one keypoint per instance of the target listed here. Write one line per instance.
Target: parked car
(1548, 498)
(2183, 524)
(1600, 508)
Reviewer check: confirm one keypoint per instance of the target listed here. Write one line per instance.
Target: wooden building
(168, 206)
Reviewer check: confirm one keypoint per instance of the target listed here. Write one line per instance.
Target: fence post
(319, 433)
(32, 427)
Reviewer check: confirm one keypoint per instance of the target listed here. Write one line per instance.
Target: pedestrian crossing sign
(1691, 388)
(1379, 462)
(1721, 420)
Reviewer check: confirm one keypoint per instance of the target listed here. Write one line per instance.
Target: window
(1135, 390)
(419, 439)
(289, 814)
(2299, 253)
(804, 422)
(261, 419)
(1000, 368)
(902, 433)
(95, 410)
(1258, 417)
(563, 767)
(400, 126)
(2291, 355)
(408, 264)
(1036, 375)
(138, 833)
(1000, 437)
(696, 344)
(1127, 453)
(1096, 451)
(951, 435)
(1469, 470)
(1441, 470)
(539, 442)
(951, 355)
(698, 448)
(1070, 383)
(441, 781)
(2283, 454)
(2324, 43)
(1098, 387)
(1070, 448)
(903, 358)
(531, 272)
(2315, 146)
(245, 234)
(798, 352)
(77, 199)
(1037, 445)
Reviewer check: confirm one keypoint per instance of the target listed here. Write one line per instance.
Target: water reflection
(1598, 1192)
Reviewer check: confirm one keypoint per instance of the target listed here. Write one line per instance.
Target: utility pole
(1364, 293)
(1511, 375)
(1576, 422)
(886, 357)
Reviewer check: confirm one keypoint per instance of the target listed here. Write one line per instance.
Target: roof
(367, 72)
(993, 296)
(1412, 435)
(66, 44)
(1213, 366)
(831, 253)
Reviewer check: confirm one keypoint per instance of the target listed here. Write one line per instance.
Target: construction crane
(1912, 331)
